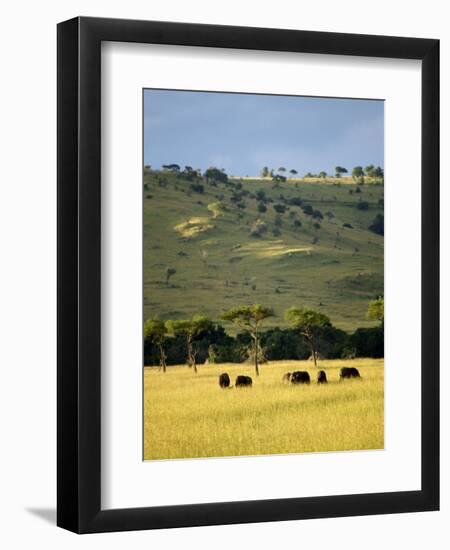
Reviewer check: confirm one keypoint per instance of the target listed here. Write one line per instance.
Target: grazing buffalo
(224, 380)
(287, 377)
(300, 377)
(322, 377)
(349, 372)
(243, 381)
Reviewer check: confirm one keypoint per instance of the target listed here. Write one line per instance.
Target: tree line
(219, 175)
(357, 173)
(195, 340)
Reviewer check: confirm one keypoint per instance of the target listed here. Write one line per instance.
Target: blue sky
(244, 132)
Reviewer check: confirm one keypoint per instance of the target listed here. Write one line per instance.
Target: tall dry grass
(189, 416)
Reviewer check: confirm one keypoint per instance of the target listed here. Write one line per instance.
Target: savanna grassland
(297, 260)
(187, 415)
(210, 246)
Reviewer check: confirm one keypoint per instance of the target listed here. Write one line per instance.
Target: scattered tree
(293, 172)
(216, 175)
(171, 167)
(377, 226)
(317, 215)
(308, 209)
(197, 188)
(357, 172)
(278, 178)
(156, 331)
(258, 228)
(378, 172)
(190, 329)
(170, 272)
(369, 170)
(250, 318)
(261, 195)
(375, 311)
(279, 208)
(339, 170)
(265, 172)
(295, 201)
(309, 323)
(322, 175)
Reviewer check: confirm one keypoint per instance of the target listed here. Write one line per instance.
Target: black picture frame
(79, 276)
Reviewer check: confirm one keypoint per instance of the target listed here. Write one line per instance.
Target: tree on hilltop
(339, 170)
(214, 174)
(357, 172)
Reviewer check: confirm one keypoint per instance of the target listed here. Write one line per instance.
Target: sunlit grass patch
(189, 416)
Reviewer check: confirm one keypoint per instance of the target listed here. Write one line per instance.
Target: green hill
(227, 250)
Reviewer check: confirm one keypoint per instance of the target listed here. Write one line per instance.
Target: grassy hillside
(219, 264)
(189, 416)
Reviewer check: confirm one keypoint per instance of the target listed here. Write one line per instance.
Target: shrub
(262, 207)
(317, 214)
(280, 208)
(258, 229)
(196, 188)
(377, 226)
(362, 205)
(295, 201)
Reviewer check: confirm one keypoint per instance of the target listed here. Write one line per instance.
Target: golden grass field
(187, 415)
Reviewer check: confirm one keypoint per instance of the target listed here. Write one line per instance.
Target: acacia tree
(339, 170)
(156, 331)
(370, 170)
(375, 311)
(308, 322)
(293, 172)
(250, 318)
(170, 271)
(190, 329)
(213, 173)
(357, 172)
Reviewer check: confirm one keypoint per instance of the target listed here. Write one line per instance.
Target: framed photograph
(248, 288)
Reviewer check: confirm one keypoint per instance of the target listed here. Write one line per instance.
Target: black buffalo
(287, 377)
(322, 377)
(300, 377)
(243, 381)
(349, 372)
(224, 380)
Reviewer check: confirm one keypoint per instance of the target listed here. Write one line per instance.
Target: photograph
(263, 277)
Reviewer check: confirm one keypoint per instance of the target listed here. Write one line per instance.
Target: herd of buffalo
(296, 377)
